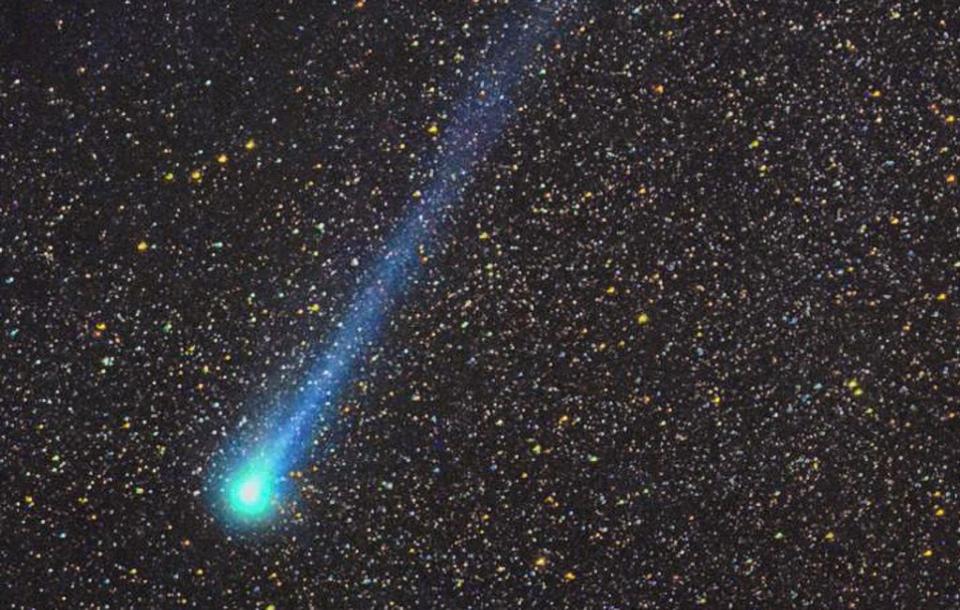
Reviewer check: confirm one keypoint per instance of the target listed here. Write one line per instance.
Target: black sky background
(690, 339)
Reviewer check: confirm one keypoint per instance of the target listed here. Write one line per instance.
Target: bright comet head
(250, 493)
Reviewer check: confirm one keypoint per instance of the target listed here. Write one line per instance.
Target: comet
(249, 478)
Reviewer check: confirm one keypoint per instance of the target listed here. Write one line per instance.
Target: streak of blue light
(478, 121)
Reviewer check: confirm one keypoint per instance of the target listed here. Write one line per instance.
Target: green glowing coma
(250, 493)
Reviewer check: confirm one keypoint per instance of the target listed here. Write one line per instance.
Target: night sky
(688, 338)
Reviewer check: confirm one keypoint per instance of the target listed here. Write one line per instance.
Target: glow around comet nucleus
(250, 481)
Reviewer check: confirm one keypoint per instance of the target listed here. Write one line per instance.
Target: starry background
(690, 340)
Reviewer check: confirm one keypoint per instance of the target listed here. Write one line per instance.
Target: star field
(689, 338)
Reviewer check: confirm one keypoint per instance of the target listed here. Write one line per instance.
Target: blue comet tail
(250, 484)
